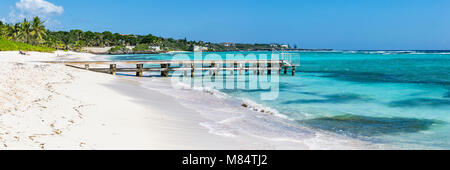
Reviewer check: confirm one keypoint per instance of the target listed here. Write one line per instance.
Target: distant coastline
(162, 52)
(39, 38)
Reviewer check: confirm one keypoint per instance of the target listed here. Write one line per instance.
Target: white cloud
(31, 8)
(39, 7)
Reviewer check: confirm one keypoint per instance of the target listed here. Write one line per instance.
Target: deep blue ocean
(399, 98)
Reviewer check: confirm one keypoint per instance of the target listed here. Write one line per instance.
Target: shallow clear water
(400, 98)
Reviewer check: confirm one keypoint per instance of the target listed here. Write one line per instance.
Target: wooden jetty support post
(165, 70)
(112, 69)
(140, 70)
(293, 70)
(240, 68)
(192, 70)
(259, 67)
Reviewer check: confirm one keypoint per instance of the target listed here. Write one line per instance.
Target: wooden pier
(259, 67)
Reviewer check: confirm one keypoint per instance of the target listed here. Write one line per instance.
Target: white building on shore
(229, 44)
(200, 48)
(96, 50)
(155, 48)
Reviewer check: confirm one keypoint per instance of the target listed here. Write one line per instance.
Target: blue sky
(337, 24)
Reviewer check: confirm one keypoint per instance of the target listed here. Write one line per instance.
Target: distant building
(200, 48)
(229, 44)
(284, 46)
(155, 48)
(274, 45)
(130, 47)
(96, 50)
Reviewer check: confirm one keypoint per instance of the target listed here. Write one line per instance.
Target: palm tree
(51, 42)
(2, 29)
(26, 30)
(89, 37)
(14, 32)
(38, 30)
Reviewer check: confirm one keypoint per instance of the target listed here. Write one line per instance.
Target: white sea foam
(247, 103)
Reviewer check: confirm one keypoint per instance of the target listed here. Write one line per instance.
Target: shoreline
(71, 108)
(315, 141)
(225, 116)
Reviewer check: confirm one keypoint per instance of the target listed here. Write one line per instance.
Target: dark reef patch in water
(269, 88)
(244, 90)
(308, 93)
(359, 76)
(334, 98)
(354, 125)
(290, 85)
(420, 102)
(447, 95)
(371, 77)
(346, 97)
(417, 94)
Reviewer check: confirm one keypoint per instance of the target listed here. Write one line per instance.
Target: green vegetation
(26, 36)
(7, 45)
(141, 48)
(118, 49)
(35, 33)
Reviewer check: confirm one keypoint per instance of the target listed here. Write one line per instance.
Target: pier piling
(165, 70)
(240, 68)
(139, 72)
(210, 71)
(213, 67)
(293, 70)
(247, 65)
(192, 70)
(112, 69)
(257, 69)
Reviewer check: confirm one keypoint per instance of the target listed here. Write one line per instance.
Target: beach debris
(57, 131)
(31, 138)
(257, 109)
(30, 103)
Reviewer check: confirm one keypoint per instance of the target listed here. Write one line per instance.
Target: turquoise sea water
(399, 98)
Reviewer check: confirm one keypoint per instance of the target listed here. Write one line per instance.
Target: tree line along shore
(33, 36)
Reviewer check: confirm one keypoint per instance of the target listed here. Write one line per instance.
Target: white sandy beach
(51, 106)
